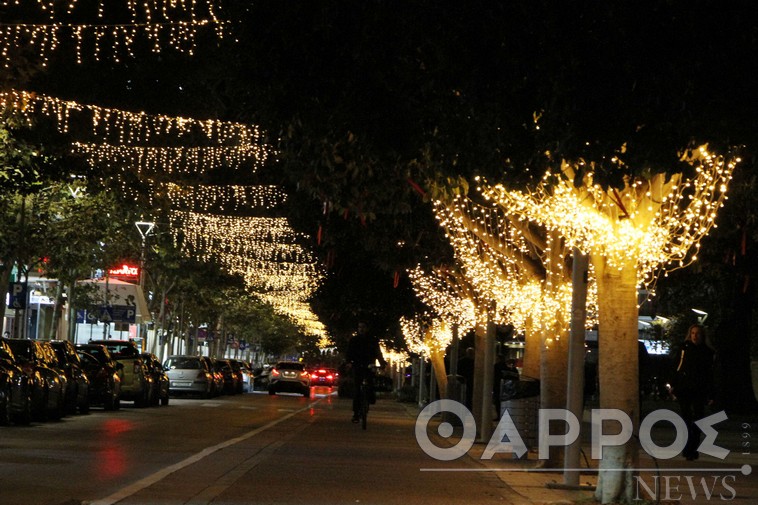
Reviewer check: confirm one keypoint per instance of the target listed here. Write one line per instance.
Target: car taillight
(330, 377)
(304, 375)
(275, 372)
(322, 371)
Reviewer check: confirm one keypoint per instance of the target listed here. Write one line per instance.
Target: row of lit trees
(514, 255)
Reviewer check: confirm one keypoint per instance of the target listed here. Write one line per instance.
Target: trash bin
(521, 398)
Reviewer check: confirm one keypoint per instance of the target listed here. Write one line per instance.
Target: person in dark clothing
(693, 384)
(362, 353)
(466, 370)
(504, 371)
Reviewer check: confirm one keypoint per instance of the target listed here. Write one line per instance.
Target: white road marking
(162, 474)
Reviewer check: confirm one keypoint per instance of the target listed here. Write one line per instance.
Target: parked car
(218, 377)
(161, 386)
(231, 379)
(247, 375)
(324, 377)
(103, 373)
(291, 377)
(136, 382)
(239, 375)
(15, 400)
(189, 375)
(261, 377)
(77, 390)
(37, 359)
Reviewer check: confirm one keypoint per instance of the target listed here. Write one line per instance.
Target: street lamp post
(144, 228)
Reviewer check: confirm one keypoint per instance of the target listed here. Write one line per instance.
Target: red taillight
(304, 375)
(275, 372)
(330, 377)
(322, 371)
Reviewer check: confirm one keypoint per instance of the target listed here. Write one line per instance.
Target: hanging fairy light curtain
(174, 161)
(126, 127)
(225, 199)
(112, 30)
(264, 251)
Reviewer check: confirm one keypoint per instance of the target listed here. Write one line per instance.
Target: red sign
(125, 272)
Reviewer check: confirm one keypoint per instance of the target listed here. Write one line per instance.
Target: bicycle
(363, 393)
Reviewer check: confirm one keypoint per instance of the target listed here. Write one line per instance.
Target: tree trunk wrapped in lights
(524, 271)
(632, 234)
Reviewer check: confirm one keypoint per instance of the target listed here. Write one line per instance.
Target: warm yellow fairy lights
(528, 284)
(224, 199)
(174, 161)
(265, 252)
(425, 335)
(128, 128)
(651, 223)
(174, 23)
(436, 291)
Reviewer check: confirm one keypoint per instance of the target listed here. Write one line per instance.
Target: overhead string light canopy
(172, 23)
(127, 127)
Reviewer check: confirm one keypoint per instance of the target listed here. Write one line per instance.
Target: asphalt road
(286, 449)
(243, 449)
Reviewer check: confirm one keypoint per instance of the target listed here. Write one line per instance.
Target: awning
(115, 292)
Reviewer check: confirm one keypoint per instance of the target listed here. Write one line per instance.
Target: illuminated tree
(631, 234)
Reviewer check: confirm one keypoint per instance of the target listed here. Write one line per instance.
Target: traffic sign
(17, 291)
(106, 314)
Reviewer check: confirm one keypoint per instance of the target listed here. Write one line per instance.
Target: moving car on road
(291, 377)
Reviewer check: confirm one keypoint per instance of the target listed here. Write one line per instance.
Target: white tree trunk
(618, 374)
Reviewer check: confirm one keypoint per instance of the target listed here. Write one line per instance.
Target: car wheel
(164, 400)
(84, 406)
(271, 391)
(110, 402)
(25, 416)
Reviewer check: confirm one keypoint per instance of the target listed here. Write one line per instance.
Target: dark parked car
(77, 390)
(160, 381)
(102, 370)
(239, 375)
(231, 379)
(37, 359)
(15, 400)
(136, 382)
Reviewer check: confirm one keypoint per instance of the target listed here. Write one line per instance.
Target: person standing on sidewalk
(363, 351)
(693, 384)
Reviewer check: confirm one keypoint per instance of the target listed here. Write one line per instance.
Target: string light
(128, 127)
(172, 23)
(224, 199)
(174, 161)
(655, 224)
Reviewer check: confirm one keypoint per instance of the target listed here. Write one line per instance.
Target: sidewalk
(675, 480)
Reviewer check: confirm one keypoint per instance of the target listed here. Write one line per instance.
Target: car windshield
(97, 352)
(184, 363)
(290, 366)
(123, 351)
(21, 348)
